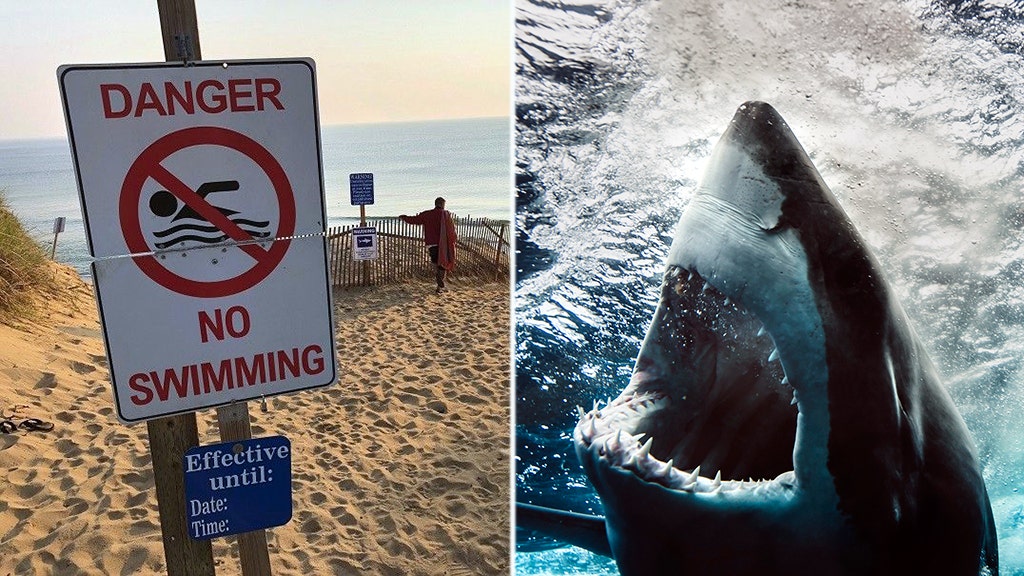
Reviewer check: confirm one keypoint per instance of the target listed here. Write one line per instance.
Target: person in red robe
(439, 236)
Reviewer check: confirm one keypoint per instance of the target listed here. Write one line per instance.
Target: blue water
(466, 161)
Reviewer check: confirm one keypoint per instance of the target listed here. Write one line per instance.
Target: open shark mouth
(721, 419)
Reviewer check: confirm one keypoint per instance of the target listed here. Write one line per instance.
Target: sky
(377, 60)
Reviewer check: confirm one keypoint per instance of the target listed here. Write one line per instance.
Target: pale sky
(377, 60)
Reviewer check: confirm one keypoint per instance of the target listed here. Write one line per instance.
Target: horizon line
(322, 125)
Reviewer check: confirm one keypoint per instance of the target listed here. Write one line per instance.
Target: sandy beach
(402, 467)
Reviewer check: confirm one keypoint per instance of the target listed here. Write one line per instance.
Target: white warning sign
(364, 243)
(202, 195)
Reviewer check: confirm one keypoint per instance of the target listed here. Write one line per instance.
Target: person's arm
(411, 219)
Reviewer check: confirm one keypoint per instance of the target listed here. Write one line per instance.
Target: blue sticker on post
(237, 487)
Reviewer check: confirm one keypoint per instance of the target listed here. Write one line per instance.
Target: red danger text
(209, 96)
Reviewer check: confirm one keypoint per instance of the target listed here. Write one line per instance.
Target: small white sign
(194, 182)
(364, 243)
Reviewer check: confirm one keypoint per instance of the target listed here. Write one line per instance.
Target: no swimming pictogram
(149, 165)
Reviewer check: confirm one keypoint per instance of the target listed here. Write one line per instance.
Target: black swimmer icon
(187, 224)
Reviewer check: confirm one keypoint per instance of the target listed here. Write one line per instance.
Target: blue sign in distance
(360, 186)
(237, 487)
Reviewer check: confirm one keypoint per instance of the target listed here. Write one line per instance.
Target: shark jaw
(707, 454)
(727, 409)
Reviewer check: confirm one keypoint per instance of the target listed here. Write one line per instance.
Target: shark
(782, 416)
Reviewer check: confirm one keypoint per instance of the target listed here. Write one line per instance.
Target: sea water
(466, 161)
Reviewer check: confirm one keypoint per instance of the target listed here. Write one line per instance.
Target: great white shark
(782, 416)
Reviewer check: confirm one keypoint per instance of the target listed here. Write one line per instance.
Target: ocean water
(466, 161)
(911, 111)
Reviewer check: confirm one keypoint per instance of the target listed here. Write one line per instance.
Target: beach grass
(24, 271)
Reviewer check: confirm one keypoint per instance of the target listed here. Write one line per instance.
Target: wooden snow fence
(482, 253)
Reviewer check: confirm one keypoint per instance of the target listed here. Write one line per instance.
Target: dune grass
(23, 267)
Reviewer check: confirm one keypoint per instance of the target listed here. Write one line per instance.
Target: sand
(402, 467)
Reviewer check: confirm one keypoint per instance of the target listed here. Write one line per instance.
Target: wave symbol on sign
(188, 225)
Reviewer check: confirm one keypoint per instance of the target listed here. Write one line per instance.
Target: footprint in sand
(457, 509)
(48, 381)
(470, 399)
(29, 490)
(68, 448)
(339, 566)
(311, 526)
(346, 519)
(65, 417)
(76, 506)
(137, 480)
(82, 367)
(66, 483)
(409, 399)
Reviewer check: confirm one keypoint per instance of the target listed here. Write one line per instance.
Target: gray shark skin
(782, 416)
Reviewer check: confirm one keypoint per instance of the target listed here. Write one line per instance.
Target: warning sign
(360, 188)
(364, 243)
(202, 195)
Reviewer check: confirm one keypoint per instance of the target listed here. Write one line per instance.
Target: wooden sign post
(234, 424)
(172, 436)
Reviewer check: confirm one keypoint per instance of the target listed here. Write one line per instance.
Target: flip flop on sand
(33, 424)
(7, 426)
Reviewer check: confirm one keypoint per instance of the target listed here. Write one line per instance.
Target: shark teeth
(645, 450)
(694, 476)
(589, 431)
(600, 432)
(638, 459)
(623, 450)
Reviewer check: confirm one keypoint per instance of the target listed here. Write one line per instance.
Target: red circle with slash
(148, 165)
